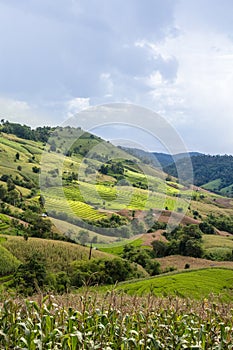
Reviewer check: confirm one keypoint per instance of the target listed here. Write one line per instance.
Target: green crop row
(74, 208)
(115, 323)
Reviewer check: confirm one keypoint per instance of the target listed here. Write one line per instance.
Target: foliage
(8, 262)
(115, 323)
(83, 236)
(142, 257)
(102, 271)
(207, 168)
(25, 132)
(112, 168)
(157, 226)
(183, 240)
(30, 276)
(221, 222)
(207, 228)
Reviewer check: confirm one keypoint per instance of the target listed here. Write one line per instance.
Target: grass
(65, 227)
(8, 262)
(179, 262)
(57, 255)
(216, 241)
(194, 284)
(219, 246)
(117, 248)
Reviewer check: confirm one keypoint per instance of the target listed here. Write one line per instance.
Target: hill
(78, 188)
(158, 159)
(195, 284)
(214, 173)
(80, 179)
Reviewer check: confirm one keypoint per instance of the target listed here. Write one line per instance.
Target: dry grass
(179, 262)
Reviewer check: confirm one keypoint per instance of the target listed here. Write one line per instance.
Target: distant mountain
(159, 159)
(166, 159)
(214, 173)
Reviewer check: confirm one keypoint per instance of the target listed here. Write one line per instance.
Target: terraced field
(73, 208)
(191, 284)
(82, 199)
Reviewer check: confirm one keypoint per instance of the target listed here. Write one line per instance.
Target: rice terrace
(105, 250)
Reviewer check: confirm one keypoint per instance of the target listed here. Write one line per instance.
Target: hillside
(78, 178)
(214, 173)
(68, 185)
(158, 159)
(195, 284)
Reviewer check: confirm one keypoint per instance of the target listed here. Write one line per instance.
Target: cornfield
(112, 321)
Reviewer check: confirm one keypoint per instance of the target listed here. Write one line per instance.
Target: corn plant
(115, 322)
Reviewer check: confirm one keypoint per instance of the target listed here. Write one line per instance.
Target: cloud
(172, 56)
(60, 49)
(19, 111)
(77, 104)
(198, 101)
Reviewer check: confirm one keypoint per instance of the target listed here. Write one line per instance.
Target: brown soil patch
(223, 233)
(224, 202)
(179, 262)
(165, 215)
(148, 238)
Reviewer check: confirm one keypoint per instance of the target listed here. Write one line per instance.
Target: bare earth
(179, 262)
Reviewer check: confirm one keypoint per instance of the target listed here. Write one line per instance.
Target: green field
(73, 322)
(8, 262)
(117, 248)
(57, 255)
(191, 284)
(73, 231)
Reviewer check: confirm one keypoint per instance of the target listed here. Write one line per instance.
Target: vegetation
(8, 262)
(183, 240)
(102, 194)
(189, 284)
(115, 322)
(214, 172)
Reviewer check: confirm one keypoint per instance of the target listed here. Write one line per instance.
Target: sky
(172, 57)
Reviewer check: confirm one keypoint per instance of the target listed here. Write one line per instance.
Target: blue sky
(172, 56)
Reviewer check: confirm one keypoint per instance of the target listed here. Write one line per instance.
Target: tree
(207, 228)
(10, 184)
(35, 169)
(17, 156)
(30, 276)
(83, 236)
(160, 248)
(193, 248)
(2, 192)
(42, 201)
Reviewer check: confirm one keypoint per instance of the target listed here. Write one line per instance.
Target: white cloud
(200, 98)
(175, 57)
(21, 112)
(77, 104)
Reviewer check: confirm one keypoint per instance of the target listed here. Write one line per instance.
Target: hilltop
(211, 172)
(214, 173)
(68, 185)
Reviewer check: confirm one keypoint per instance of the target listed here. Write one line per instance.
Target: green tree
(30, 276)
(83, 236)
(160, 248)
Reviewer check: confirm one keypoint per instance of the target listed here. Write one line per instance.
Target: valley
(79, 216)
